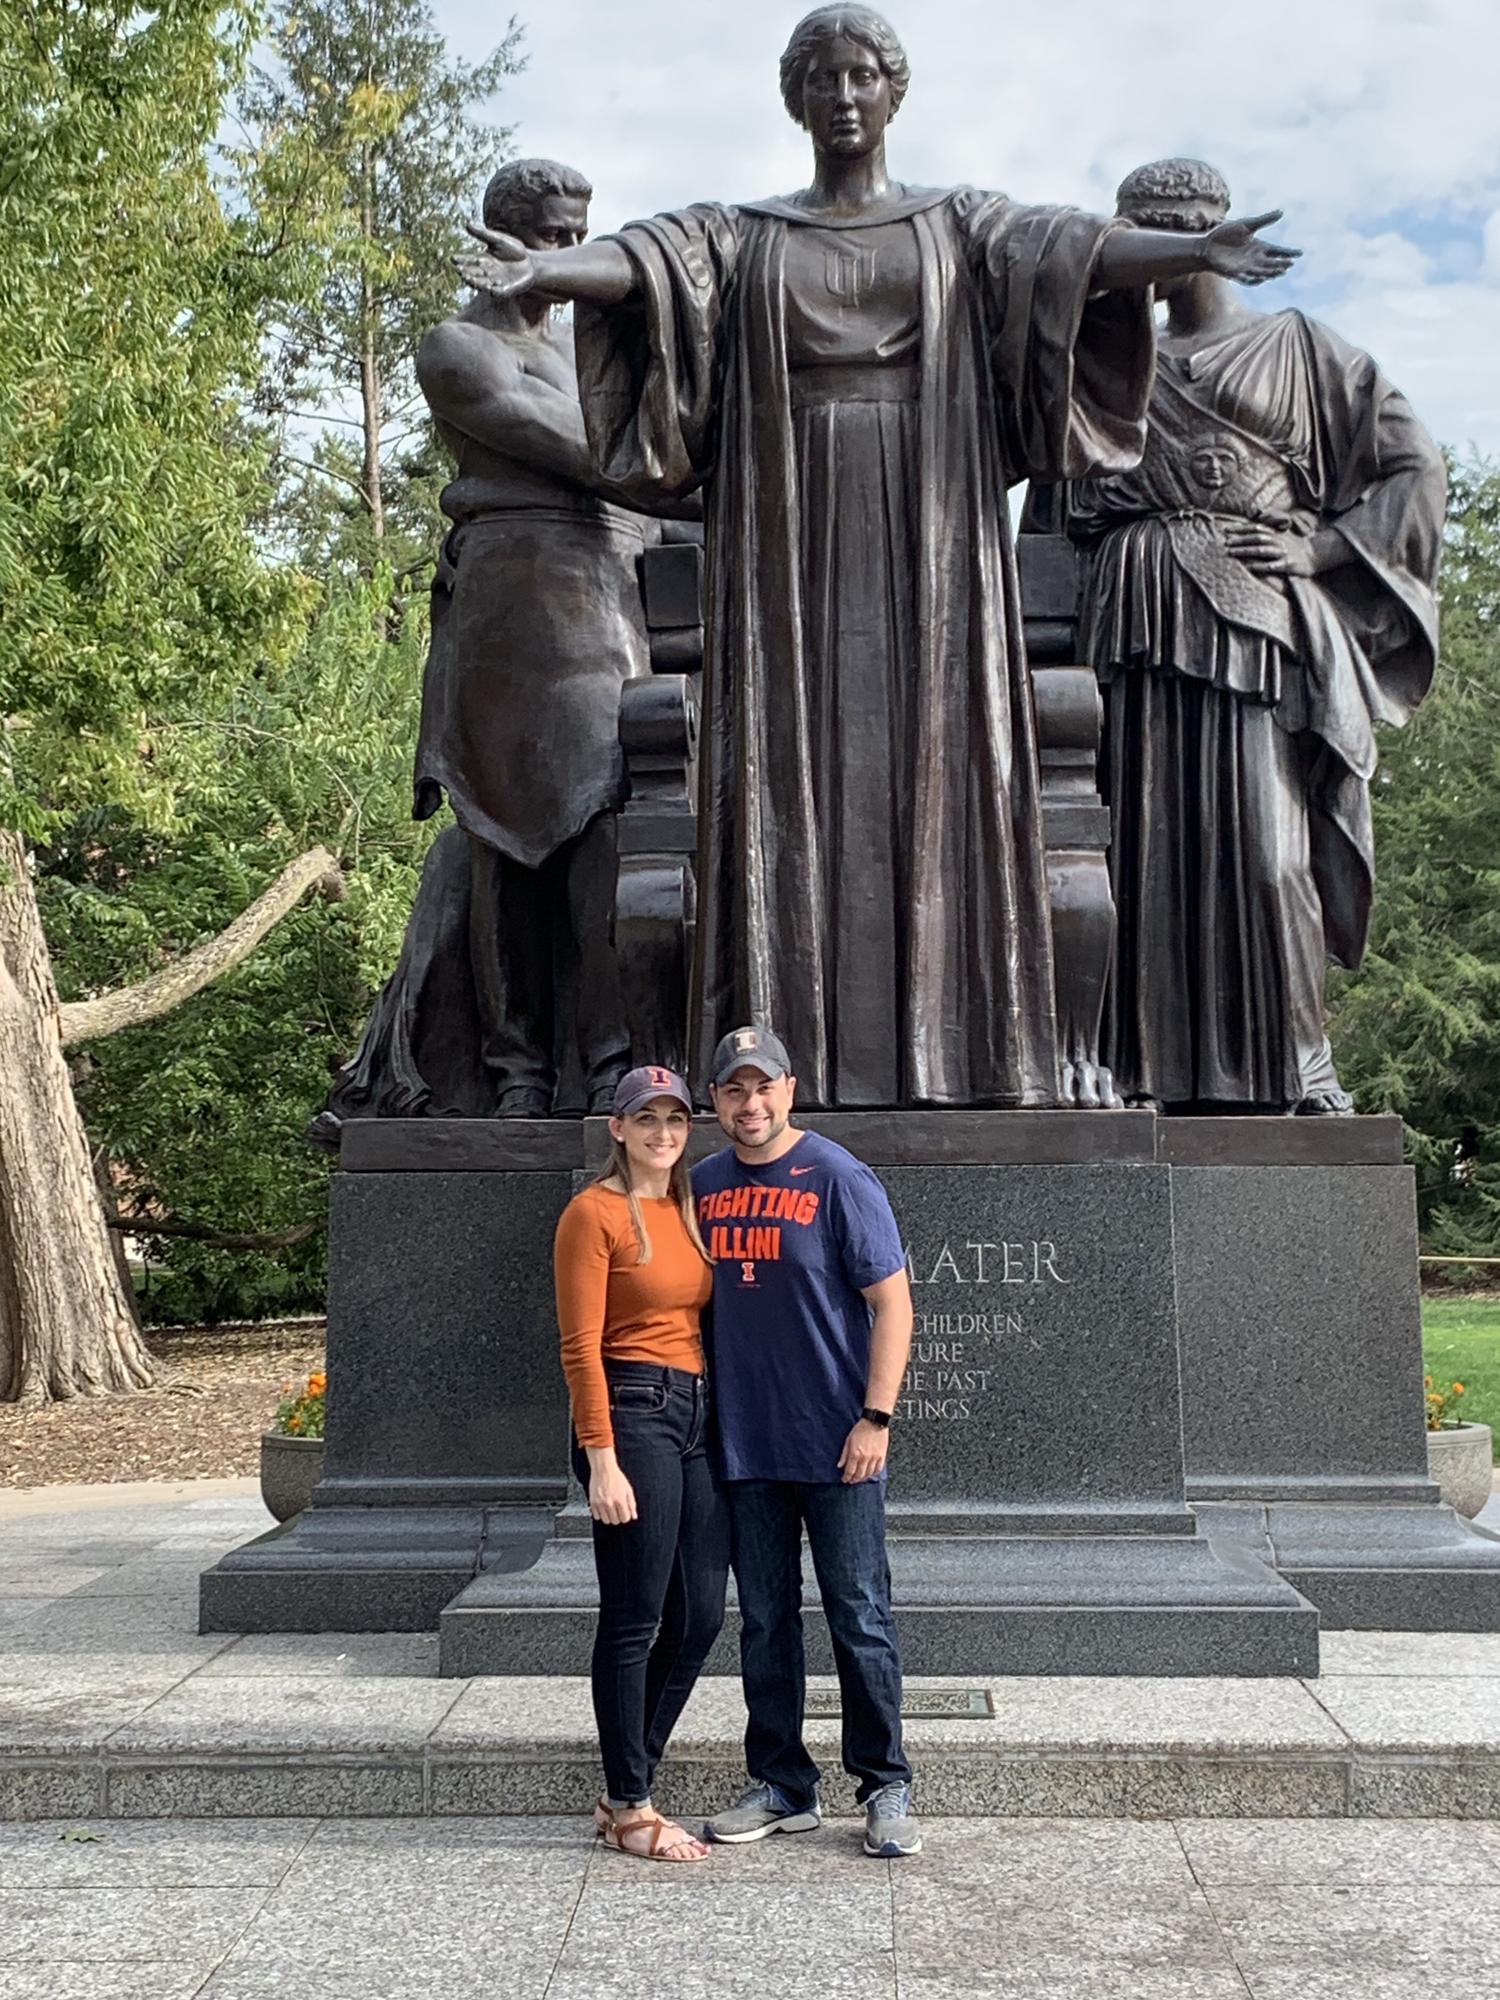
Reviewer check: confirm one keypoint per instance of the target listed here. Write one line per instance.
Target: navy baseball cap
(640, 1086)
(751, 1048)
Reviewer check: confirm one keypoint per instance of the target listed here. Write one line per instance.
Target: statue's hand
(506, 272)
(1235, 250)
(1271, 551)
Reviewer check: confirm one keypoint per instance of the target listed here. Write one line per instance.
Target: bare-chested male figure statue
(540, 623)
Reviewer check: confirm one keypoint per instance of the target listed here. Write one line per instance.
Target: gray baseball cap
(640, 1086)
(750, 1048)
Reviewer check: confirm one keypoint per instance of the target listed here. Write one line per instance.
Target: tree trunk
(371, 395)
(104, 1182)
(130, 1006)
(267, 1242)
(66, 1328)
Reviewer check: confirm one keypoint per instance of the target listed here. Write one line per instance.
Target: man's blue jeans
(846, 1533)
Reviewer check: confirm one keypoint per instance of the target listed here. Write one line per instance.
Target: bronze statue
(509, 972)
(854, 374)
(1260, 594)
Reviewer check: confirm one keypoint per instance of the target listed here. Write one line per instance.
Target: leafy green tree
(130, 308)
(133, 591)
(188, 715)
(201, 1112)
(1417, 1031)
(365, 142)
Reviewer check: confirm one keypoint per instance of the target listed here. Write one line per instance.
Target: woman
(1261, 595)
(854, 374)
(633, 1279)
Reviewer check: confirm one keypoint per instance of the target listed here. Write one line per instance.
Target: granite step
(1398, 1727)
(113, 1703)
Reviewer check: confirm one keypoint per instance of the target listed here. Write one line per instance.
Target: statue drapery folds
(1261, 594)
(856, 394)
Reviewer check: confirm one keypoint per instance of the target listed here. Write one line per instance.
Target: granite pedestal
(1302, 1370)
(447, 1418)
(1037, 1509)
(1122, 1323)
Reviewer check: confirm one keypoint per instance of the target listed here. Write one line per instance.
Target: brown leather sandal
(664, 1838)
(604, 1816)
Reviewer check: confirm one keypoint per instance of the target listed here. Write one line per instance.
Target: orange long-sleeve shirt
(610, 1307)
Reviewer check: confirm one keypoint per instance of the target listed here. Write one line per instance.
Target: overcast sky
(1374, 123)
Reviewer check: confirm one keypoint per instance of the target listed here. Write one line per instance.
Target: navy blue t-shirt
(794, 1245)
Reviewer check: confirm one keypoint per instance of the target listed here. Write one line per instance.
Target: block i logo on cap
(754, 1047)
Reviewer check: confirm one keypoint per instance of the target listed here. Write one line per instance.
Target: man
(811, 1332)
(537, 620)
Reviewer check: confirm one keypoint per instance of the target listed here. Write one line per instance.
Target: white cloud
(1371, 122)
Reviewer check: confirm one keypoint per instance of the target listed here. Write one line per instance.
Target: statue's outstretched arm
(1130, 259)
(599, 272)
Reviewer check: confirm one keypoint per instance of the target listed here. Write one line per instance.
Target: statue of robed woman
(1261, 594)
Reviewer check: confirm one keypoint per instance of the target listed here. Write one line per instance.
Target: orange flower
(317, 1384)
(294, 1424)
(1458, 1389)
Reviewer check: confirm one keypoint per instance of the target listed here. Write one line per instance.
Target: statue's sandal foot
(1324, 1104)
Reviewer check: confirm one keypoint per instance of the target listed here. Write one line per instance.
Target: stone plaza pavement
(322, 1817)
(507, 1909)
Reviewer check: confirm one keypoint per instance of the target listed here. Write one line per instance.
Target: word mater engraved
(955, 1355)
(972, 1263)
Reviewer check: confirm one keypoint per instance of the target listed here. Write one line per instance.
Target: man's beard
(759, 1145)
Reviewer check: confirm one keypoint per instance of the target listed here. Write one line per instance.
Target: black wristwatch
(881, 1419)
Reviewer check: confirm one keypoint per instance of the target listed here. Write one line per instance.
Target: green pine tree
(1417, 1031)
(367, 143)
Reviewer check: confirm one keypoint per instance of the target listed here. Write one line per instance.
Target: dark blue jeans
(662, 1576)
(846, 1534)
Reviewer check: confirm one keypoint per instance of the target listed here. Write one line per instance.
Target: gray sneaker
(761, 1811)
(890, 1830)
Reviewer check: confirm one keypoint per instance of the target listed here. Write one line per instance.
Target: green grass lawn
(1462, 1341)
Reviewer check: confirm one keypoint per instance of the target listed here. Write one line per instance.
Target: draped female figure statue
(1260, 595)
(855, 373)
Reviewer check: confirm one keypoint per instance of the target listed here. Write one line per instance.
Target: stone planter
(1461, 1461)
(290, 1467)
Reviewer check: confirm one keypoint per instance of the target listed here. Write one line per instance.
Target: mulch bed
(215, 1391)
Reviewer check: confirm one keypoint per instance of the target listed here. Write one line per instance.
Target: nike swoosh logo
(804, 1170)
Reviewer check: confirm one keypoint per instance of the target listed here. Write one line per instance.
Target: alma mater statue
(854, 374)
